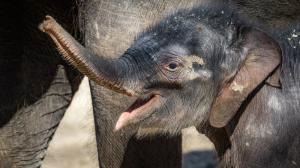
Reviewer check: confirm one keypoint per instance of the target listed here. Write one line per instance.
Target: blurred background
(74, 144)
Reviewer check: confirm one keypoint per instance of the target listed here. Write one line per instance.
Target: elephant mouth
(139, 110)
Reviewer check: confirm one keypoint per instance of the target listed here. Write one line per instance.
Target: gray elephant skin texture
(207, 67)
(37, 86)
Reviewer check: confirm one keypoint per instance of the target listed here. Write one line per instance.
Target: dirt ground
(74, 146)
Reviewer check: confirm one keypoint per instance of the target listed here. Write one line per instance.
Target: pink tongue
(123, 120)
(129, 113)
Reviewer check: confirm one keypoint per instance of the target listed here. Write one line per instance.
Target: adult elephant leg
(35, 89)
(24, 138)
(110, 27)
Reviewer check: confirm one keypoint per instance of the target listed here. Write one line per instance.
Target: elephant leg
(35, 88)
(25, 137)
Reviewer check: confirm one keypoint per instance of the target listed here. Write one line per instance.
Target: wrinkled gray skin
(206, 66)
(35, 91)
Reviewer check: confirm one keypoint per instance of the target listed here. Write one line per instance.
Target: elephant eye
(173, 66)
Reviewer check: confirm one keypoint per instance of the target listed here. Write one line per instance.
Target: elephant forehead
(178, 49)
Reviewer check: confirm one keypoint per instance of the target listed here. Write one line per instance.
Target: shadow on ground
(200, 159)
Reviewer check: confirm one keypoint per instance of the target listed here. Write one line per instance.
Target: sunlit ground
(74, 146)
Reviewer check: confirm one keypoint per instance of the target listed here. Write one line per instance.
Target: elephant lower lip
(141, 108)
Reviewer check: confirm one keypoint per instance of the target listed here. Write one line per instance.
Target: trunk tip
(47, 24)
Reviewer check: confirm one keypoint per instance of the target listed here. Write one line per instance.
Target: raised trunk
(110, 73)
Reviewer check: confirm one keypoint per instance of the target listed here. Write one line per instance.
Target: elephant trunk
(106, 72)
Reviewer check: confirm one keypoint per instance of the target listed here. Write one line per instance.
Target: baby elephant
(206, 67)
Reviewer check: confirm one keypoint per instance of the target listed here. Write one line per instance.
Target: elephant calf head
(194, 66)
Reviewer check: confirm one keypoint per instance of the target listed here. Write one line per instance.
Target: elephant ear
(260, 57)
